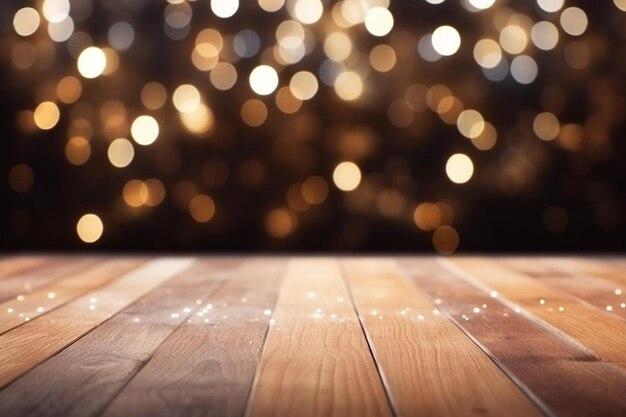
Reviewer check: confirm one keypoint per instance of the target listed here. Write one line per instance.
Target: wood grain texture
(206, 367)
(612, 269)
(422, 356)
(603, 294)
(15, 264)
(563, 377)
(45, 299)
(26, 346)
(193, 337)
(25, 281)
(316, 361)
(85, 377)
(599, 332)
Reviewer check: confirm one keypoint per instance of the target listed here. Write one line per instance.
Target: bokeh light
(47, 115)
(92, 62)
(446, 40)
(459, 168)
(26, 21)
(263, 80)
(145, 130)
(202, 208)
(89, 228)
(347, 176)
(378, 21)
(223, 124)
(121, 152)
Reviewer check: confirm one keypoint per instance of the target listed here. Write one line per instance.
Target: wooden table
(312, 336)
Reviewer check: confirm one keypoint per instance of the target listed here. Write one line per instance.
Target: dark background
(584, 187)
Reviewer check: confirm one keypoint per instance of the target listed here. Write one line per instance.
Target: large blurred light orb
(121, 153)
(26, 21)
(347, 176)
(46, 115)
(144, 130)
(55, 10)
(545, 35)
(186, 98)
(446, 40)
(574, 21)
(303, 85)
(551, 6)
(379, 21)
(263, 80)
(224, 8)
(92, 62)
(308, 11)
(349, 85)
(89, 228)
(459, 168)
(482, 4)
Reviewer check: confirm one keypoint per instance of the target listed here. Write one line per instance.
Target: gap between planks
(20, 348)
(422, 354)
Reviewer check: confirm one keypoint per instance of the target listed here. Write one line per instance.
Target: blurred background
(313, 125)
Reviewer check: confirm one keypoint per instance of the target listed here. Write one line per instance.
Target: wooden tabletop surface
(312, 336)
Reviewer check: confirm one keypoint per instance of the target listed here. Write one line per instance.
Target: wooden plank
(598, 292)
(422, 356)
(21, 348)
(206, 367)
(563, 377)
(599, 332)
(85, 377)
(606, 268)
(30, 279)
(43, 300)
(14, 264)
(316, 361)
